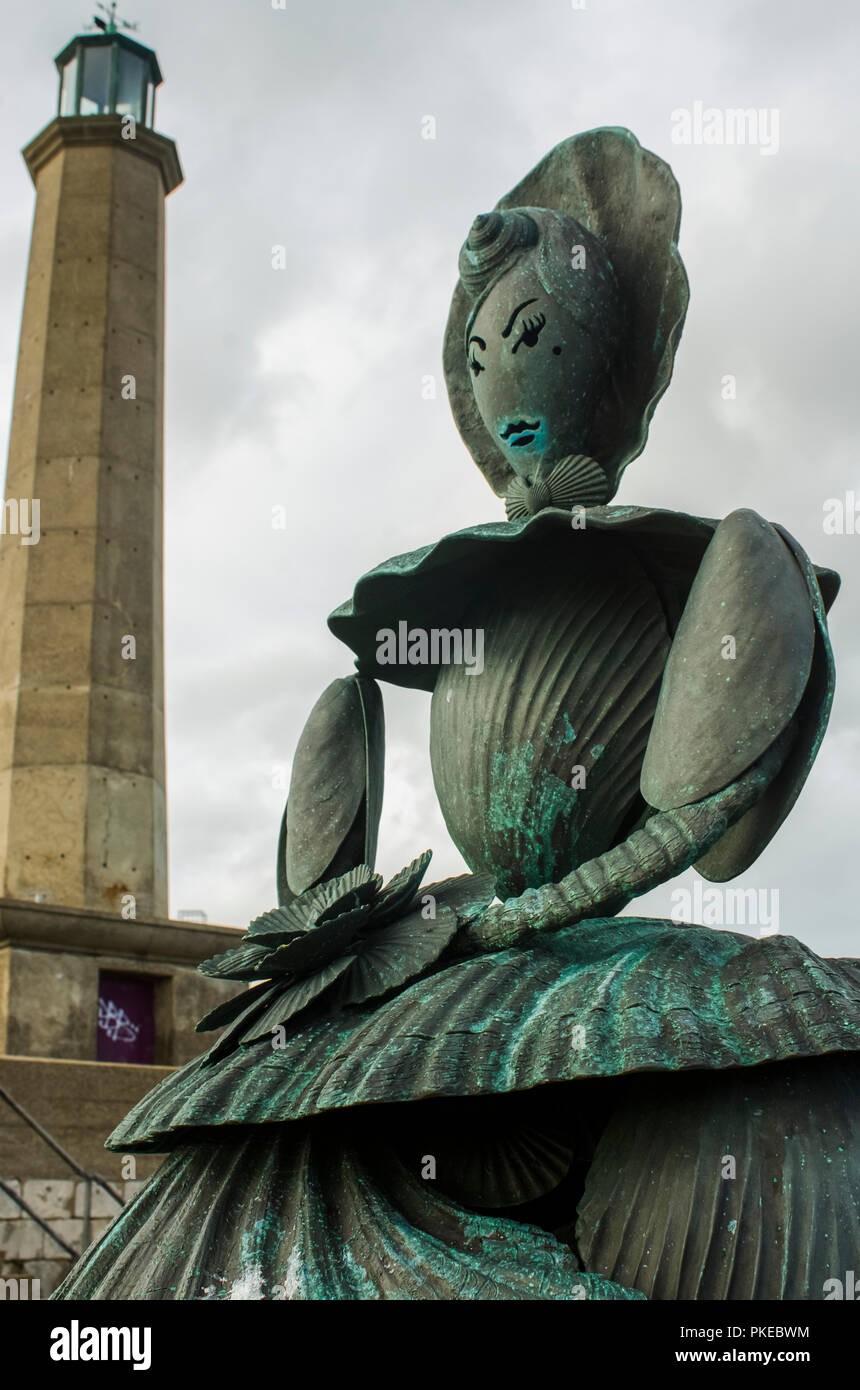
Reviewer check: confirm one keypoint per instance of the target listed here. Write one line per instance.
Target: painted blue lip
(520, 432)
(515, 427)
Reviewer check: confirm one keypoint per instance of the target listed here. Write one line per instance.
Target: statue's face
(533, 371)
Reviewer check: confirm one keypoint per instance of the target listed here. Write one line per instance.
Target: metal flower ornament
(346, 941)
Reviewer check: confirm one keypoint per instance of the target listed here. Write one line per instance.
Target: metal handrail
(89, 1178)
(58, 1149)
(19, 1201)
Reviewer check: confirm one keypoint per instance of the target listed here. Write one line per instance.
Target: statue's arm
(331, 819)
(743, 704)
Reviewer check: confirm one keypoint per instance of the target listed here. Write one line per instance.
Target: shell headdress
(627, 198)
(492, 238)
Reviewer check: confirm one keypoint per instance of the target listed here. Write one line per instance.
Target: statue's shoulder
(425, 587)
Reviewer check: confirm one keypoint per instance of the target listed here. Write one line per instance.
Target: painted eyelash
(532, 328)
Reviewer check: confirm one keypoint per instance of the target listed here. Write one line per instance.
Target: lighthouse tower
(82, 796)
(99, 992)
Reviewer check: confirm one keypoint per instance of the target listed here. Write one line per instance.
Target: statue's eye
(473, 361)
(532, 329)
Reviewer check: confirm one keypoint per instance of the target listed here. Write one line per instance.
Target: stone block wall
(78, 1103)
(27, 1252)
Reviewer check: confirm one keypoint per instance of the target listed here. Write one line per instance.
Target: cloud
(302, 388)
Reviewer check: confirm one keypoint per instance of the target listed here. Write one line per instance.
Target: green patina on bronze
(426, 1094)
(555, 811)
(611, 997)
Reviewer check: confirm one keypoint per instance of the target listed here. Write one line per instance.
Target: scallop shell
(292, 1000)
(525, 498)
(395, 954)
(576, 481)
(241, 963)
(657, 1207)
(501, 1170)
(318, 1215)
(577, 689)
(332, 813)
(330, 899)
(398, 893)
(651, 996)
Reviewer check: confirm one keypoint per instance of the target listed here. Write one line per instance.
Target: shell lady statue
(497, 1086)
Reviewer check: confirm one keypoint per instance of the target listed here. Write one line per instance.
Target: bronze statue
(427, 1093)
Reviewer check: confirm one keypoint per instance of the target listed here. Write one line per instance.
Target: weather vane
(111, 25)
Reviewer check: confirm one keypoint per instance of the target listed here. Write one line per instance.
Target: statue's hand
(512, 922)
(666, 845)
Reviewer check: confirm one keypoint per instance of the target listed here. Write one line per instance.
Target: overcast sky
(302, 126)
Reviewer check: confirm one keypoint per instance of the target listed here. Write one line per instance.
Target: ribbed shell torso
(536, 761)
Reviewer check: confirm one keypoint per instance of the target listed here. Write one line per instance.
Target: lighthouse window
(67, 93)
(129, 85)
(95, 95)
